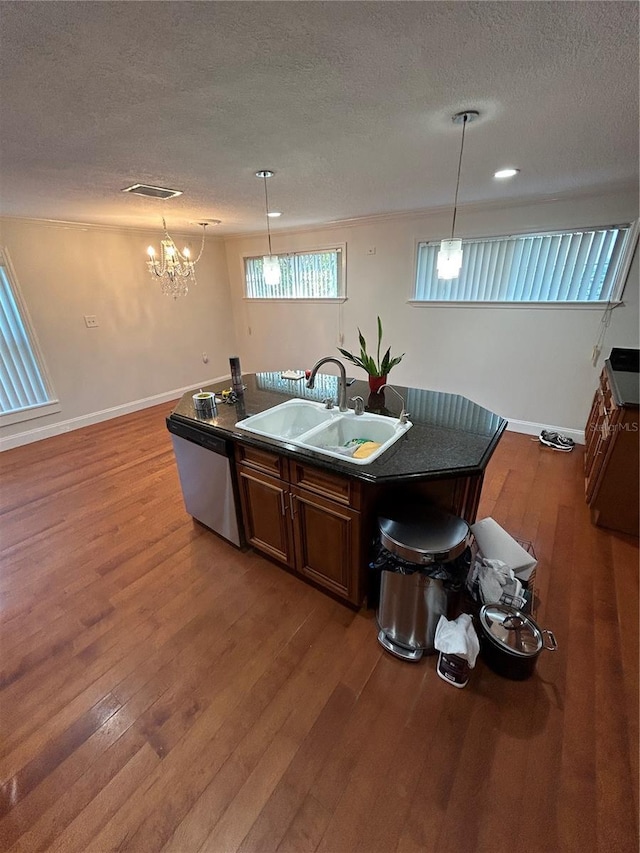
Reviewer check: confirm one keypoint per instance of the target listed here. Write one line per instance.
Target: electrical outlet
(91, 321)
(371, 250)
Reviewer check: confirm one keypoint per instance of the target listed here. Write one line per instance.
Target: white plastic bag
(458, 638)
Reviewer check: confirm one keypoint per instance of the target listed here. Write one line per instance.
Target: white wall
(147, 347)
(531, 365)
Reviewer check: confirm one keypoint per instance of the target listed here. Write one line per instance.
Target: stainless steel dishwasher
(207, 479)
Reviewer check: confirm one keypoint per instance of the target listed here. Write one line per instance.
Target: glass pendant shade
(271, 270)
(449, 259)
(270, 263)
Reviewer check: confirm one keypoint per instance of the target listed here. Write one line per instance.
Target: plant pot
(376, 382)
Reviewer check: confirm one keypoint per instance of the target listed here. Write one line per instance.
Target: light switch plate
(91, 321)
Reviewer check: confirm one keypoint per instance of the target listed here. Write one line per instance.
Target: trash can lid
(423, 534)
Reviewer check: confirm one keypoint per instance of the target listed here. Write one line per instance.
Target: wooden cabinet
(611, 461)
(304, 517)
(264, 505)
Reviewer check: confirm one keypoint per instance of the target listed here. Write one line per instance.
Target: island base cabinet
(264, 510)
(317, 537)
(322, 525)
(326, 538)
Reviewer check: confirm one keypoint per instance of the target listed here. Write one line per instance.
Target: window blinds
(308, 275)
(21, 382)
(562, 267)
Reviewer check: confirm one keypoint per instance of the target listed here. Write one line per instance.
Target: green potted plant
(378, 370)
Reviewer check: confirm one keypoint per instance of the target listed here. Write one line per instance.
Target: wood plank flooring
(163, 691)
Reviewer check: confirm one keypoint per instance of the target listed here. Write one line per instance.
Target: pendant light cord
(455, 201)
(266, 204)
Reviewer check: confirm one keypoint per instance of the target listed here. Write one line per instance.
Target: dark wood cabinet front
(327, 543)
(311, 530)
(320, 524)
(611, 462)
(264, 508)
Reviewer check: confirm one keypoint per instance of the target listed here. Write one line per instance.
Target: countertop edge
(614, 377)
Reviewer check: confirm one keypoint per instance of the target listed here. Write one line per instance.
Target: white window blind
(22, 383)
(303, 275)
(569, 266)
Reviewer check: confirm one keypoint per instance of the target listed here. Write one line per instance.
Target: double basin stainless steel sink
(312, 426)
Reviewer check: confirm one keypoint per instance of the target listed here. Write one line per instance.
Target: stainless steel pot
(510, 640)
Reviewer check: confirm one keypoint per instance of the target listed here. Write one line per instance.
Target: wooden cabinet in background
(611, 461)
(304, 517)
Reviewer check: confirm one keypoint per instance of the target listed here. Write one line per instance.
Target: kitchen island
(317, 515)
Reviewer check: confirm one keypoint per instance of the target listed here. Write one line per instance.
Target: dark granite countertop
(625, 386)
(451, 436)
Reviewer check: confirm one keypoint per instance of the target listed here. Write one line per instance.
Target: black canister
(236, 375)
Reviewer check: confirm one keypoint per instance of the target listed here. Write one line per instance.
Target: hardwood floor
(161, 690)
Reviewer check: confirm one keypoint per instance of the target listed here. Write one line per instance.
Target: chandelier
(450, 255)
(174, 268)
(270, 262)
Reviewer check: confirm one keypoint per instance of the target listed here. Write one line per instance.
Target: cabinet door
(600, 453)
(327, 543)
(593, 431)
(264, 509)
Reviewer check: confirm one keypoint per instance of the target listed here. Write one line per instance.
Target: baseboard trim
(531, 428)
(50, 430)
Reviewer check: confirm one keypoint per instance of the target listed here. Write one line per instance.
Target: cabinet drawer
(263, 460)
(338, 488)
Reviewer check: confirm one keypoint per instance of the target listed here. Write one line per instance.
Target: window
(24, 389)
(303, 275)
(559, 267)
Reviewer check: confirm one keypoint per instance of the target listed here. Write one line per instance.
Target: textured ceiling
(349, 102)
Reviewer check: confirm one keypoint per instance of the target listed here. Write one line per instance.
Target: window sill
(317, 301)
(590, 306)
(31, 412)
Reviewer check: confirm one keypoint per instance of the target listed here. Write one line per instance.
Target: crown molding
(354, 222)
(470, 207)
(64, 225)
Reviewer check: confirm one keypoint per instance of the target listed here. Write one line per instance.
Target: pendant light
(450, 254)
(270, 262)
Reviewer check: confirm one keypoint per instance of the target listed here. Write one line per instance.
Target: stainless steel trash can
(412, 599)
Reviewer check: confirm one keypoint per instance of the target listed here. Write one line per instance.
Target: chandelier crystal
(174, 268)
(270, 263)
(449, 261)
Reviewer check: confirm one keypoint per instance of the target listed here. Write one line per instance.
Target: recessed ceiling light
(274, 213)
(152, 192)
(506, 173)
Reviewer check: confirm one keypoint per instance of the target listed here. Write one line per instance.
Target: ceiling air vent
(152, 192)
